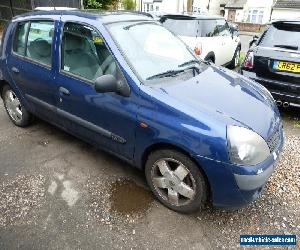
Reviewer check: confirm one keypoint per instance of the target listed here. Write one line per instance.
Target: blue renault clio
(126, 84)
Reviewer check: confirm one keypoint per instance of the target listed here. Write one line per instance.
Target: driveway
(56, 192)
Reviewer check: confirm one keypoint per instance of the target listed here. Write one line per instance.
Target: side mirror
(108, 83)
(254, 40)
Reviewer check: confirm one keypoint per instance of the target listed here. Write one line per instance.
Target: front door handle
(15, 70)
(63, 91)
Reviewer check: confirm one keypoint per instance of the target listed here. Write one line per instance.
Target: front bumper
(283, 91)
(235, 186)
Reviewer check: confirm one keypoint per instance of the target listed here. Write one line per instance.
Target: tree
(190, 5)
(99, 4)
(129, 4)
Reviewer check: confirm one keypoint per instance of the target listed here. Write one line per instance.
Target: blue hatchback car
(126, 84)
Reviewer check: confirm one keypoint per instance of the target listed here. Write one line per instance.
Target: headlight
(245, 146)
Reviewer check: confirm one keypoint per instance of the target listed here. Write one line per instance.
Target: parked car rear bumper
(283, 91)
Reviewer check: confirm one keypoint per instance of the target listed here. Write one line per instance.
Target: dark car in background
(274, 61)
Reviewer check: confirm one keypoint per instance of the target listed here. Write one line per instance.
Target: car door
(105, 119)
(30, 65)
(227, 44)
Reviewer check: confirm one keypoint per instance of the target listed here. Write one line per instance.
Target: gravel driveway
(56, 192)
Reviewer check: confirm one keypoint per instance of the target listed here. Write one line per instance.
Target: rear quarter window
(19, 44)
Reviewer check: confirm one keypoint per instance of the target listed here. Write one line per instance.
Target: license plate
(286, 66)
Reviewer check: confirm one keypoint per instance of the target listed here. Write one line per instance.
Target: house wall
(168, 6)
(265, 6)
(261, 7)
(200, 6)
(214, 6)
(285, 13)
(239, 15)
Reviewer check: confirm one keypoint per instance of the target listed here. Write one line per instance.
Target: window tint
(282, 35)
(84, 53)
(19, 45)
(40, 41)
(182, 27)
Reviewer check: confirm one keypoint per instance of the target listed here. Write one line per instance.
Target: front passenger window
(84, 53)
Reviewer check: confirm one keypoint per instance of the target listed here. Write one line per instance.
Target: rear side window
(39, 41)
(19, 45)
(282, 35)
(33, 39)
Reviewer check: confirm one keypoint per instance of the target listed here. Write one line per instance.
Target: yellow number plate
(287, 66)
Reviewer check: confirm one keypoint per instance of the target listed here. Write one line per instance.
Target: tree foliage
(100, 4)
(129, 4)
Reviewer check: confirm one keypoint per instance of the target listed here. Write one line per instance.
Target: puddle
(128, 198)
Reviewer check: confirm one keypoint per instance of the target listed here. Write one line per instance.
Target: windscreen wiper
(136, 24)
(188, 63)
(168, 73)
(292, 47)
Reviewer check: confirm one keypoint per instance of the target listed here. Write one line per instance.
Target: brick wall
(251, 27)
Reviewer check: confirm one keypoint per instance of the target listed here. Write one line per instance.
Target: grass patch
(242, 57)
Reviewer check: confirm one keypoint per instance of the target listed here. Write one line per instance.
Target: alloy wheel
(13, 106)
(173, 181)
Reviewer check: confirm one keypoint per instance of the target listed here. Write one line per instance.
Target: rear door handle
(63, 91)
(15, 70)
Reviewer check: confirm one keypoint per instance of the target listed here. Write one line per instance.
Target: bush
(100, 4)
(128, 4)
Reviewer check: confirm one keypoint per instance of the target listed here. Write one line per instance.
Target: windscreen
(150, 48)
(282, 35)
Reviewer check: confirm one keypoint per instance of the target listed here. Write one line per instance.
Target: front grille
(274, 141)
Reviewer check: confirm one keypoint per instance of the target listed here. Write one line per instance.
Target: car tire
(14, 108)
(176, 181)
(236, 58)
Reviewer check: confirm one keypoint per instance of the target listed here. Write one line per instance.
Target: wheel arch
(166, 145)
(2, 84)
(210, 55)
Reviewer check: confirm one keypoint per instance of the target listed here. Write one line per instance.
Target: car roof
(103, 16)
(191, 16)
(287, 20)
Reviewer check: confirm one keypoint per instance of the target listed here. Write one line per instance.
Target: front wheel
(176, 181)
(236, 58)
(14, 108)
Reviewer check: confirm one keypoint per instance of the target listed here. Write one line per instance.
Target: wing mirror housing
(254, 40)
(108, 83)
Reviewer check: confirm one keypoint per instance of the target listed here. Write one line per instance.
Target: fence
(11, 8)
(251, 27)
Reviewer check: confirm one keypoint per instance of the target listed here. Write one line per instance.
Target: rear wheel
(176, 181)
(14, 108)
